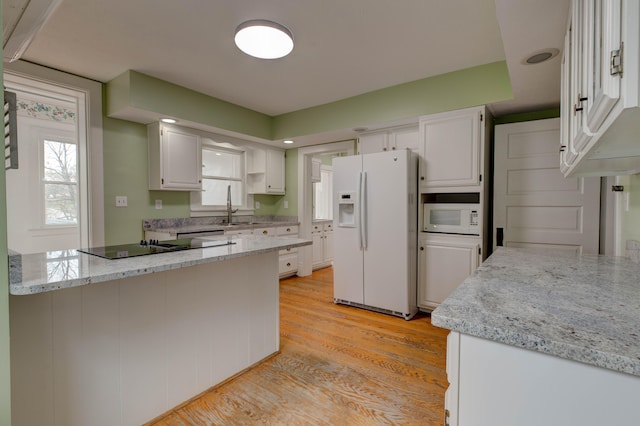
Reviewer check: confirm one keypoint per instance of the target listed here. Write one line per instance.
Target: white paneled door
(534, 205)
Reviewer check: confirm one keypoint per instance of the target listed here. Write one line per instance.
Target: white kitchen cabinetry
(288, 262)
(444, 262)
(288, 258)
(322, 238)
(600, 99)
(265, 171)
(405, 137)
(496, 384)
(175, 158)
(452, 148)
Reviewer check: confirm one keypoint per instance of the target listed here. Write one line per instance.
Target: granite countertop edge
(171, 261)
(582, 308)
(608, 360)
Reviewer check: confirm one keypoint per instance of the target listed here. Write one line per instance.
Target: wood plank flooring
(338, 365)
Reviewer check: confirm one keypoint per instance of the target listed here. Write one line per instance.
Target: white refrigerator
(375, 232)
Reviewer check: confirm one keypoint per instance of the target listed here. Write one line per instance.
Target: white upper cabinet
(405, 137)
(175, 158)
(451, 148)
(265, 171)
(600, 105)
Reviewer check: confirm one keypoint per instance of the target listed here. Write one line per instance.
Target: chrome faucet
(229, 209)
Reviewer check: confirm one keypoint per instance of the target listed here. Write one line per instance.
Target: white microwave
(452, 218)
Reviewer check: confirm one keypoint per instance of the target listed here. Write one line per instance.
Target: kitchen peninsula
(543, 337)
(120, 342)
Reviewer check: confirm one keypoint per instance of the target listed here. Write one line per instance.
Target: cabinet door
(579, 133)
(443, 265)
(328, 246)
(603, 20)
(181, 160)
(372, 142)
(450, 148)
(275, 172)
(316, 238)
(405, 138)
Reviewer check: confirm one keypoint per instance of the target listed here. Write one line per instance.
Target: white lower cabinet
(501, 385)
(288, 261)
(288, 264)
(444, 262)
(322, 238)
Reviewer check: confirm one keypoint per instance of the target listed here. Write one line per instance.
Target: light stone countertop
(583, 308)
(42, 272)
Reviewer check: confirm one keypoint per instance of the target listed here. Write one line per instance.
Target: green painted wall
(5, 366)
(125, 173)
(461, 89)
(125, 156)
(139, 91)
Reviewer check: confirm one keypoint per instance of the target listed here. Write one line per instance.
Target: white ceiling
(342, 47)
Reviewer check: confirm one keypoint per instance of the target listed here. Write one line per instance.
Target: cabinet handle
(421, 248)
(384, 149)
(562, 148)
(576, 109)
(288, 229)
(288, 263)
(421, 177)
(265, 232)
(393, 148)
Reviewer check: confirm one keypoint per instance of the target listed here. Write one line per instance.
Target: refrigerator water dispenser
(347, 209)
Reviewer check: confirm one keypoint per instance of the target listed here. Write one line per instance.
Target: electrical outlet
(158, 204)
(286, 204)
(257, 204)
(121, 201)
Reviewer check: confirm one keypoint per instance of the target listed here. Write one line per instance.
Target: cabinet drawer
(265, 231)
(288, 230)
(238, 232)
(289, 250)
(288, 263)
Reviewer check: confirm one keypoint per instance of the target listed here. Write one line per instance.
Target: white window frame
(198, 209)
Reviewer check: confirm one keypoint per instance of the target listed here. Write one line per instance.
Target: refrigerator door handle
(363, 210)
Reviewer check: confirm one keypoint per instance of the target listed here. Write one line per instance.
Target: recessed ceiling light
(264, 39)
(540, 56)
(288, 141)
(169, 120)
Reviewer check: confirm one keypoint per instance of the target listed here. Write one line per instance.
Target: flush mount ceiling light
(288, 141)
(169, 120)
(264, 39)
(540, 56)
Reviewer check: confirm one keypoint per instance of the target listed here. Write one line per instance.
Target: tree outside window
(60, 181)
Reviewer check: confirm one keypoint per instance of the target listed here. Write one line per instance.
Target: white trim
(93, 125)
(305, 195)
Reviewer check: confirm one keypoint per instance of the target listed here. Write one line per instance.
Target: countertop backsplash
(179, 222)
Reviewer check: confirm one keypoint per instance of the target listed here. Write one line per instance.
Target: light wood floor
(338, 366)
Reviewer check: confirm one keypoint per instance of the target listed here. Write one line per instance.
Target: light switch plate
(158, 204)
(121, 201)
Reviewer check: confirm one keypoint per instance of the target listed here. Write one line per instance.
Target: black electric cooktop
(144, 248)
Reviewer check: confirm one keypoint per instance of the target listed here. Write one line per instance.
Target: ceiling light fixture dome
(264, 39)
